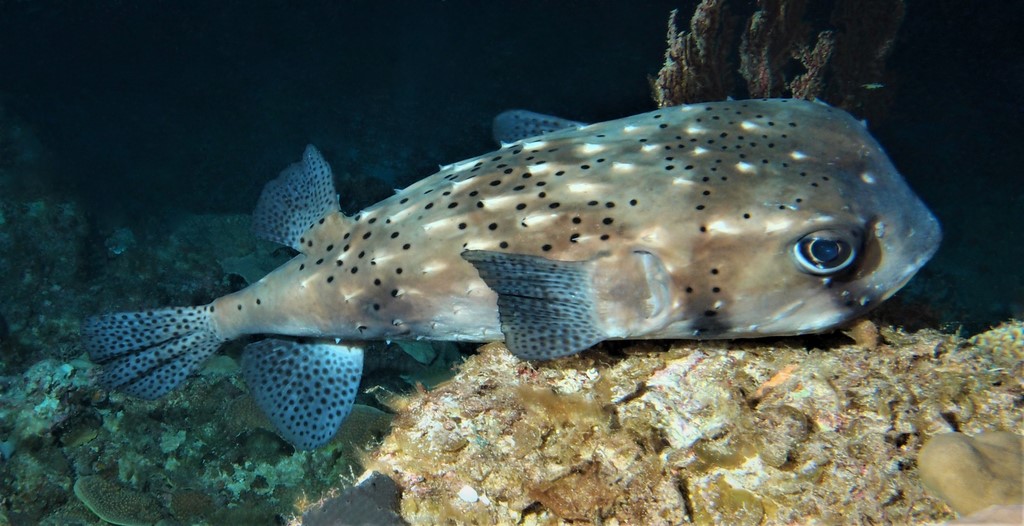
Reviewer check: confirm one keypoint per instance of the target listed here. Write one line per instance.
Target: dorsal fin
(514, 125)
(296, 200)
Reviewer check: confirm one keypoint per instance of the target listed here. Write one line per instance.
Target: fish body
(719, 220)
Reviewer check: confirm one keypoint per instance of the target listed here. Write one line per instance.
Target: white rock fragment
(468, 494)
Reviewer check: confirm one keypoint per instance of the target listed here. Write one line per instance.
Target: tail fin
(148, 353)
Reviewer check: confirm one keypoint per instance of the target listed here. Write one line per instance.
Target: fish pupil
(825, 250)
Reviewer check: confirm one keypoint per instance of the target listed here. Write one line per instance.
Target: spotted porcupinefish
(720, 220)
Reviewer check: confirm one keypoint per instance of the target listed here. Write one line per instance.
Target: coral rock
(973, 473)
(372, 501)
(117, 504)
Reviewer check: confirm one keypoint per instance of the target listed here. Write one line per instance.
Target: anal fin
(546, 307)
(306, 389)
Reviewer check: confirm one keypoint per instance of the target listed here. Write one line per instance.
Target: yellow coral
(1006, 340)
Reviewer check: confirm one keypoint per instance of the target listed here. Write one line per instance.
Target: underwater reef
(744, 433)
(755, 432)
(889, 423)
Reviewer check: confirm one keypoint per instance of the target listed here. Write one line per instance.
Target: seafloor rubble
(741, 433)
(703, 432)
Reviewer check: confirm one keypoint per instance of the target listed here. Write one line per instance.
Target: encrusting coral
(115, 503)
(705, 432)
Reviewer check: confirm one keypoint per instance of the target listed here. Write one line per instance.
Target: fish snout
(907, 243)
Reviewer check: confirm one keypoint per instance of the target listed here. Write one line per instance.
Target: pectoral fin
(546, 307)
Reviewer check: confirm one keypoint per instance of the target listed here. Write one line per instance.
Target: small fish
(732, 219)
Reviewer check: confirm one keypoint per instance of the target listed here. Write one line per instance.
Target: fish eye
(824, 252)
